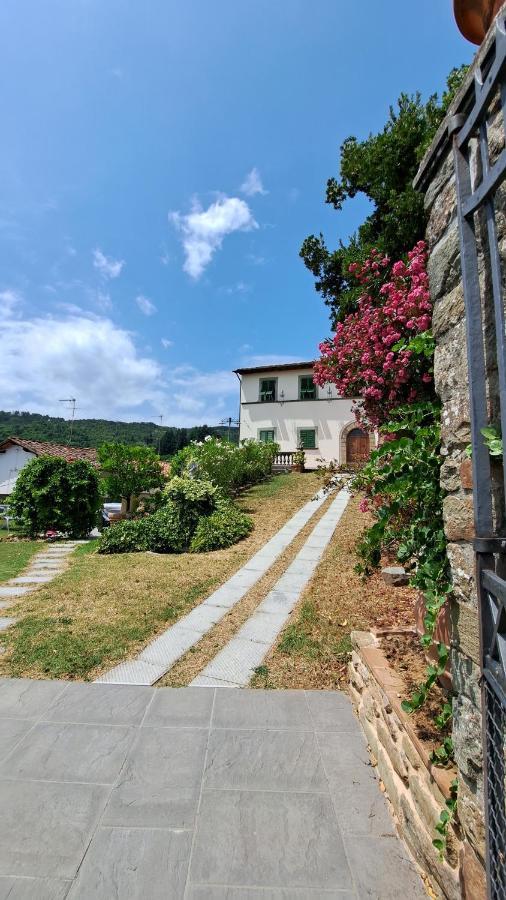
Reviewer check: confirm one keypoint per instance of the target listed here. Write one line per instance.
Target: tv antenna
(229, 422)
(72, 401)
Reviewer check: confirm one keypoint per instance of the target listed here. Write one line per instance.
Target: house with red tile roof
(17, 452)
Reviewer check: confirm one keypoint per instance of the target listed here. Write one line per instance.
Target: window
(307, 388)
(268, 390)
(307, 438)
(266, 435)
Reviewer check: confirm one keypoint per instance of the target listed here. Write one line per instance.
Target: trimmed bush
(51, 492)
(224, 527)
(195, 516)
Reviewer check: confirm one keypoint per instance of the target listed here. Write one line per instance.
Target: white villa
(281, 403)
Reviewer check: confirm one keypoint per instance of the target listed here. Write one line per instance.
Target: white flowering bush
(224, 464)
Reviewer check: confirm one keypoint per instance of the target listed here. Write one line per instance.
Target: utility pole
(160, 434)
(72, 401)
(229, 422)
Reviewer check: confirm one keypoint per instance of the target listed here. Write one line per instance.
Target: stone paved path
(161, 654)
(234, 665)
(138, 793)
(43, 567)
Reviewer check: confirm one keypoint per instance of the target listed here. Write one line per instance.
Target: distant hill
(93, 432)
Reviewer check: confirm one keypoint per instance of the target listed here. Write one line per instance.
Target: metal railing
(478, 178)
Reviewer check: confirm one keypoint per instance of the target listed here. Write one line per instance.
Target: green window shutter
(307, 388)
(267, 390)
(266, 436)
(307, 437)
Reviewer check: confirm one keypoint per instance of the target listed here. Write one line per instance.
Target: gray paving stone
(11, 732)
(272, 839)
(44, 831)
(225, 596)
(332, 711)
(208, 892)
(6, 622)
(202, 618)
(382, 869)
(291, 582)
(286, 710)
(31, 579)
(91, 754)
(205, 681)
(133, 671)
(160, 782)
(180, 707)
(360, 806)
(100, 704)
(264, 761)
(24, 699)
(15, 591)
(263, 627)
(33, 888)
(169, 647)
(236, 662)
(279, 602)
(138, 864)
(343, 750)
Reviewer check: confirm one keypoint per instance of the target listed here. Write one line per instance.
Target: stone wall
(437, 180)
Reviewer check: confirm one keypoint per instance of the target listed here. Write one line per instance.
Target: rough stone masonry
(436, 179)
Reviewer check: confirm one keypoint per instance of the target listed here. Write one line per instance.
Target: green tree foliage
(94, 432)
(128, 471)
(53, 493)
(382, 167)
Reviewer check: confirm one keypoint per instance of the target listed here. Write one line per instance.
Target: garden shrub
(195, 515)
(52, 492)
(225, 526)
(226, 465)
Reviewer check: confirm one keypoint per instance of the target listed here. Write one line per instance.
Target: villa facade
(281, 403)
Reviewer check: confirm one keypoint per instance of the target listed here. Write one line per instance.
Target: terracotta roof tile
(45, 448)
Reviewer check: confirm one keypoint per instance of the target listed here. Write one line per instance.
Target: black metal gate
(480, 171)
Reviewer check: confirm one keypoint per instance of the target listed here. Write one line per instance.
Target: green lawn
(15, 556)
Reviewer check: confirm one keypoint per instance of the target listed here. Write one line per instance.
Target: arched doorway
(357, 446)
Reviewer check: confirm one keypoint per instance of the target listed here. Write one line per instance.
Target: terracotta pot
(474, 17)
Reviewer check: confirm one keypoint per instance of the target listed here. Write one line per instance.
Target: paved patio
(127, 792)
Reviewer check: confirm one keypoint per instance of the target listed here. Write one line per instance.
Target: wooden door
(357, 446)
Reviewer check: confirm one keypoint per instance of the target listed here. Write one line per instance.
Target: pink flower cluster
(360, 359)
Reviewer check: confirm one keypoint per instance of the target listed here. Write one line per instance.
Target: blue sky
(160, 166)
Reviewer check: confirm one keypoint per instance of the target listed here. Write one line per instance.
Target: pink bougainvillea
(368, 359)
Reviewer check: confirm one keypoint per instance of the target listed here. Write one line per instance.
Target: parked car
(108, 511)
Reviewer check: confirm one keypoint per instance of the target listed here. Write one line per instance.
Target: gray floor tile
(170, 646)
(33, 888)
(278, 601)
(207, 892)
(15, 591)
(11, 732)
(160, 781)
(54, 752)
(202, 618)
(180, 707)
(101, 704)
(207, 681)
(383, 870)
(45, 831)
(360, 806)
(25, 699)
(6, 622)
(31, 579)
(139, 864)
(133, 671)
(268, 839)
(262, 709)
(264, 761)
(332, 711)
(343, 750)
(263, 627)
(226, 597)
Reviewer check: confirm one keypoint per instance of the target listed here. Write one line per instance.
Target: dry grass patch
(193, 662)
(107, 608)
(313, 650)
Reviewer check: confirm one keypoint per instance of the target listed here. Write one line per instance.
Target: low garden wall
(416, 789)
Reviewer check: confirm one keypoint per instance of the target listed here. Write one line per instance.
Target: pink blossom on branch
(360, 359)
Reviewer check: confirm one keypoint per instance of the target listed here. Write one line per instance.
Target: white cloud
(268, 359)
(166, 343)
(255, 259)
(108, 267)
(9, 301)
(252, 184)
(240, 287)
(89, 357)
(203, 230)
(146, 306)
(103, 300)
